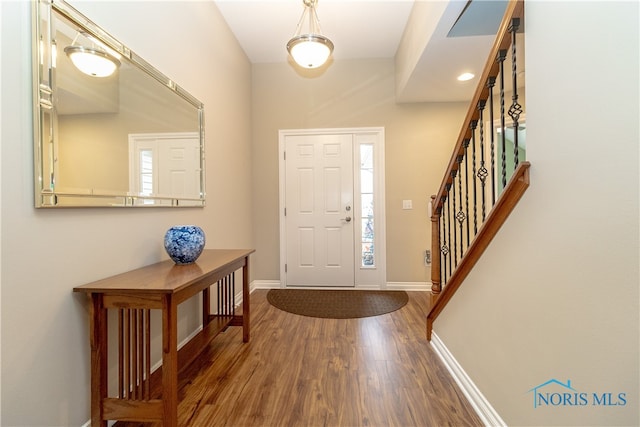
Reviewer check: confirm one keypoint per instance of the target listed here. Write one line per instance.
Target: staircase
(488, 172)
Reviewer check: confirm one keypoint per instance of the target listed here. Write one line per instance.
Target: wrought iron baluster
(474, 126)
(465, 144)
(501, 57)
(454, 242)
(490, 84)
(444, 249)
(482, 171)
(516, 109)
(448, 187)
(460, 216)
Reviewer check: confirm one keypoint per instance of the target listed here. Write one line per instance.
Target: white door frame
(374, 277)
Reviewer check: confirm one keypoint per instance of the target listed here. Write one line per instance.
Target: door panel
(319, 197)
(181, 167)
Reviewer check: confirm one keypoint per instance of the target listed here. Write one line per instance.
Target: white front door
(319, 210)
(180, 166)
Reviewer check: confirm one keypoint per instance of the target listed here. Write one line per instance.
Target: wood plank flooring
(303, 371)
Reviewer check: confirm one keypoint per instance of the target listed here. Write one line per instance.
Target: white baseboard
(109, 424)
(480, 404)
(397, 286)
(265, 284)
(409, 286)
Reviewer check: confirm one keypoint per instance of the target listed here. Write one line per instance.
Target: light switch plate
(407, 204)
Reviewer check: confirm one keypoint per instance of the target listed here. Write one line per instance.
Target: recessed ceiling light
(465, 76)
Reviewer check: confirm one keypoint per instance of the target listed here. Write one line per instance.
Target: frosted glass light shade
(91, 61)
(310, 50)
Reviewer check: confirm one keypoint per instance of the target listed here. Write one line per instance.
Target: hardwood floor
(303, 371)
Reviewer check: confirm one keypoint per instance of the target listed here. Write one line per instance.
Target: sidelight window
(367, 233)
(146, 173)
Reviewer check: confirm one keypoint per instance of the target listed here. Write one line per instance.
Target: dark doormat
(337, 304)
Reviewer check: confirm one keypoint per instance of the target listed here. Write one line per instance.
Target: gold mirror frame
(90, 140)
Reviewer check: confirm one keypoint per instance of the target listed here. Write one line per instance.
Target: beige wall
(45, 253)
(359, 93)
(556, 294)
(421, 25)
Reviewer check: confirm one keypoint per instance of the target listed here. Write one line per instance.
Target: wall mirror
(127, 138)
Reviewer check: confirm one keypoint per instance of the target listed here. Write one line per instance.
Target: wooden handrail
(498, 215)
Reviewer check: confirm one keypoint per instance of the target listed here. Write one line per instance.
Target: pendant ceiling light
(310, 49)
(95, 61)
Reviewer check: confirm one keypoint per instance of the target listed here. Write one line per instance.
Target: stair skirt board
(480, 404)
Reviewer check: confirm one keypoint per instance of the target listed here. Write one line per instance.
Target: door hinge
(285, 155)
(285, 268)
(285, 211)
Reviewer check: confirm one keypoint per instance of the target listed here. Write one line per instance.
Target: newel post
(436, 286)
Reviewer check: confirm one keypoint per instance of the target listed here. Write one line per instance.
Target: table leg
(169, 361)
(245, 301)
(98, 342)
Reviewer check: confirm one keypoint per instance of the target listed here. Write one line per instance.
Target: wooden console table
(134, 294)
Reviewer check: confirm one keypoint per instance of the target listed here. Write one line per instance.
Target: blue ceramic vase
(184, 243)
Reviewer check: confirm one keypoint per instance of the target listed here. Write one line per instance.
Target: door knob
(347, 219)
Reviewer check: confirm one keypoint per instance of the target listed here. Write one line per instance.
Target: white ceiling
(363, 29)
